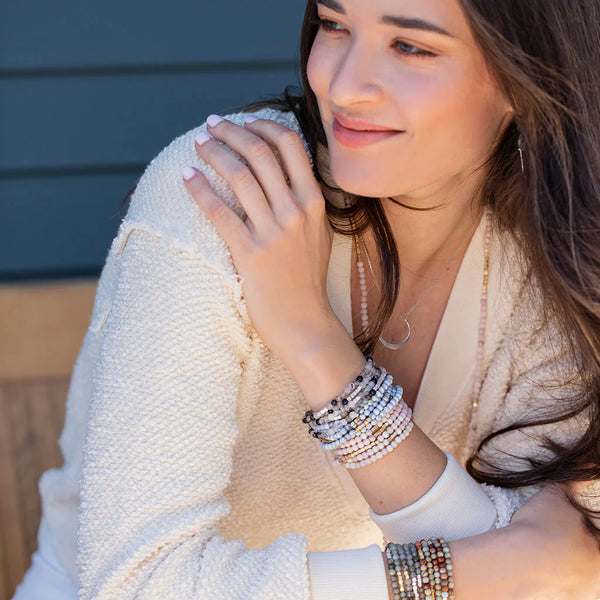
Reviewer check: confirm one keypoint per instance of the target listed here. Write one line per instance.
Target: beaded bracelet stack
(365, 422)
(421, 570)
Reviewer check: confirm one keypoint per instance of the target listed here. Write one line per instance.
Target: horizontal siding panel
(70, 33)
(66, 122)
(59, 225)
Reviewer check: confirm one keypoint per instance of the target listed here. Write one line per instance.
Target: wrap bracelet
(421, 570)
(365, 422)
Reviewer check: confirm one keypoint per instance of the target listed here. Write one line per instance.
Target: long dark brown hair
(545, 57)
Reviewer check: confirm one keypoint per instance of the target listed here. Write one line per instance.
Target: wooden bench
(41, 330)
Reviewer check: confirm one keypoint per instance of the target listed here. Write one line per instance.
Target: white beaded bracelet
(365, 422)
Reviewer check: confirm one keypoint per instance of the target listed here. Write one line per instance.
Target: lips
(360, 125)
(358, 134)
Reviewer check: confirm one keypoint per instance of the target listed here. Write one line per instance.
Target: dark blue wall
(91, 91)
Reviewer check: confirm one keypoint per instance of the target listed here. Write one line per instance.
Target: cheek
(455, 118)
(321, 66)
(315, 70)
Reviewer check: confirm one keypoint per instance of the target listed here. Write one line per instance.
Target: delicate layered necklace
(478, 376)
(363, 288)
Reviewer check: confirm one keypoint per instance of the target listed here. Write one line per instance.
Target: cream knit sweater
(183, 433)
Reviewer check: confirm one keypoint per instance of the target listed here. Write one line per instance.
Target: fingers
(240, 178)
(231, 228)
(292, 153)
(274, 204)
(262, 166)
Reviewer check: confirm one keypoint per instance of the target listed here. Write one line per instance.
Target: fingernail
(202, 137)
(214, 120)
(250, 119)
(188, 173)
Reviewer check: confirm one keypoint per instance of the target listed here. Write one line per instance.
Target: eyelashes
(403, 48)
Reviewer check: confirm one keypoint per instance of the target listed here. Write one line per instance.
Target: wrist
(323, 363)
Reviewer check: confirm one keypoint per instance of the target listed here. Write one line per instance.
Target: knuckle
(217, 211)
(258, 148)
(277, 235)
(289, 138)
(257, 252)
(242, 177)
(293, 218)
(315, 205)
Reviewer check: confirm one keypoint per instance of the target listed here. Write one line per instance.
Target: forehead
(446, 15)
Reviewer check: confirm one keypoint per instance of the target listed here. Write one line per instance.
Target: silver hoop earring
(520, 146)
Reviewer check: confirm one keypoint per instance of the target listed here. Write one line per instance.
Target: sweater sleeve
(532, 376)
(174, 359)
(455, 507)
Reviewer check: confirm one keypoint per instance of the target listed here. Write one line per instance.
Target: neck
(426, 239)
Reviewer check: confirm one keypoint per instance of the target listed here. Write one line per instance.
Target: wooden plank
(24, 459)
(12, 536)
(62, 122)
(59, 224)
(7, 500)
(70, 33)
(31, 417)
(43, 326)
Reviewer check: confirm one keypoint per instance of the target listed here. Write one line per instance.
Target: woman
(215, 329)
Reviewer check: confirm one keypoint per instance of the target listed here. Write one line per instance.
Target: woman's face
(413, 68)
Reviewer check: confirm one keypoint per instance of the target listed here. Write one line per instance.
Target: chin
(354, 181)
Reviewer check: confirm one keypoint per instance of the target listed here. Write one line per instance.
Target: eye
(410, 50)
(404, 48)
(328, 25)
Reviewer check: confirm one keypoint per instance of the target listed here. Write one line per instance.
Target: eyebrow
(404, 22)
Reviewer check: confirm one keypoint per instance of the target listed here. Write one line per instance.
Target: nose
(354, 78)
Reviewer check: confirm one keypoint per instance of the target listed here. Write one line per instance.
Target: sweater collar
(452, 359)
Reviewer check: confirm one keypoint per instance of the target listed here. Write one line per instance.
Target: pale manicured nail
(202, 137)
(188, 173)
(250, 119)
(214, 120)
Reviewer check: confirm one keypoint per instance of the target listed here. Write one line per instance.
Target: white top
(183, 433)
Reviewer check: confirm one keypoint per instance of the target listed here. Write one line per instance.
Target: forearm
(534, 558)
(323, 369)
(499, 564)
(526, 561)
(523, 561)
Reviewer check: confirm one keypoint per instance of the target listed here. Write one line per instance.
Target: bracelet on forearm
(365, 422)
(421, 570)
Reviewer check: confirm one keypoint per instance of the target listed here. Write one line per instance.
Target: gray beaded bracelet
(421, 569)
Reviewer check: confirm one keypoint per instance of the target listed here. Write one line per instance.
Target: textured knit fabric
(183, 433)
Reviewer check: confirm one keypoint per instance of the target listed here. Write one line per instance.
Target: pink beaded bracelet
(365, 422)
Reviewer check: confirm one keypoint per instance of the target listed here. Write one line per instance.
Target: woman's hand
(282, 249)
(571, 556)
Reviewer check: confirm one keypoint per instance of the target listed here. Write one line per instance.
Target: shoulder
(161, 202)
